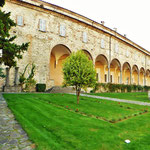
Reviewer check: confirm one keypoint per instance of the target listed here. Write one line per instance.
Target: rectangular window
(102, 43)
(19, 20)
(62, 30)
(42, 25)
(85, 39)
(116, 48)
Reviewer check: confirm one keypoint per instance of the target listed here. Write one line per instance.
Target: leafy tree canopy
(11, 50)
(79, 71)
(2, 2)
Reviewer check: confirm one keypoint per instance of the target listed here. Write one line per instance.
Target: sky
(130, 17)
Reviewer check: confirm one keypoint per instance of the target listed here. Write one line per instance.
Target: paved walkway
(12, 136)
(118, 100)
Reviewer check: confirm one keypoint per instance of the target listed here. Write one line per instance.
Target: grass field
(137, 96)
(55, 122)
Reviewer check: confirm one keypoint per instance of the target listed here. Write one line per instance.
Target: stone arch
(58, 54)
(147, 77)
(88, 54)
(135, 74)
(115, 70)
(126, 73)
(101, 66)
(142, 76)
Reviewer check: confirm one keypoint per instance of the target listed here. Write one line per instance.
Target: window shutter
(102, 43)
(127, 53)
(62, 30)
(19, 20)
(84, 37)
(42, 25)
(116, 48)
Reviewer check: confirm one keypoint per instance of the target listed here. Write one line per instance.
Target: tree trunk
(7, 76)
(78, 90)
(16, 76)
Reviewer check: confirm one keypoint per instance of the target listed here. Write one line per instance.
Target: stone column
(144, 79)
(16, 76)
(138, 77)
(131, 77)
(7, 76)
(120, 75)
(108, 73)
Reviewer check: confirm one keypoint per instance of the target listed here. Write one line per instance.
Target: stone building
(55, 32)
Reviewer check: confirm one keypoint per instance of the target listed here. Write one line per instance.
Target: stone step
(60, 89)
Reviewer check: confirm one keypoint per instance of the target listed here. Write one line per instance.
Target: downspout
(109, 61)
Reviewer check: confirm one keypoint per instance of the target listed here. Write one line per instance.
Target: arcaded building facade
(54, 33)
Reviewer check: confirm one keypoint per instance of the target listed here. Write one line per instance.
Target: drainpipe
(109, 59)
(120, 75)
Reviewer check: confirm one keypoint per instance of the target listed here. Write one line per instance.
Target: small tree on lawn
(79, 71)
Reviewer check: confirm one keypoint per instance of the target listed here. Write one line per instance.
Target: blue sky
(130, 17)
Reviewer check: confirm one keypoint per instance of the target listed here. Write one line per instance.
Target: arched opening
(142, 72)
(148, 77)
(101, 65)
(58, 54)
(115, 68)
(126, 73)
(87, 54)
(135, 72)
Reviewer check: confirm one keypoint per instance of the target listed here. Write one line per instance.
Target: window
(85, 39)
(19, 20)
(143, 60)
(62, 30)
(116, 48)
(102, 43)
(127, 53)
(42, 25)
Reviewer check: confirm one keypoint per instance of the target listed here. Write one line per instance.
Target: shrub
(40, 87)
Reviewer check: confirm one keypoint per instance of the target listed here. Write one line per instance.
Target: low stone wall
(12, 88)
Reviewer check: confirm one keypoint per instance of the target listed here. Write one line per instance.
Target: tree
(79, 71)
(11, 50)
(2, 2)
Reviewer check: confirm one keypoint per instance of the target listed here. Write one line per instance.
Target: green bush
(40, 87)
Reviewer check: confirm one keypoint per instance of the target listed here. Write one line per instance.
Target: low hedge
(110, 87)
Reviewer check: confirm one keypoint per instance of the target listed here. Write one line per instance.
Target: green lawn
(52, 122)
(137, 96)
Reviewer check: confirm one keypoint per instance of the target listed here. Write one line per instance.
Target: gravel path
(12, 136)
(118, 100)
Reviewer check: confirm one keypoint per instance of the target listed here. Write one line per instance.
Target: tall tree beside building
(11, 50)
(2, 2)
